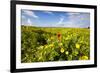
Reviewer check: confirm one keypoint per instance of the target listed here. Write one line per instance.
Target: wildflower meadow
(43, 44)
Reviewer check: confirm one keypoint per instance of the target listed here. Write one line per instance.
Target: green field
(42, 44)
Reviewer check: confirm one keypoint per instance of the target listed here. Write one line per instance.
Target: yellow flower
(52, 38)
(60, 44)
(48, 40)
(41, 47)
(66, 38)
(62, 50)
(46, 46)
(51, 45)
(84, 58)
(66, 52)
(77, 46)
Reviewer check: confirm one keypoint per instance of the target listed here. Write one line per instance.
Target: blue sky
(55, 19)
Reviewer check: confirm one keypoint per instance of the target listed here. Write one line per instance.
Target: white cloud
(78, 19)
(48, 12)
(74, 20)
(78, 16)
(73, 13)
(23, 17)
(29, 22)
(30, 13)
(70, 24)
(61, 20)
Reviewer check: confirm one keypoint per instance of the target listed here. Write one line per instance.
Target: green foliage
(40, 44)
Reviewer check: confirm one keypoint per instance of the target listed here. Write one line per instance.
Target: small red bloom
(59, 36)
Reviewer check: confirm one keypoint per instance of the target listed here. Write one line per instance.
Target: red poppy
(59, 36)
